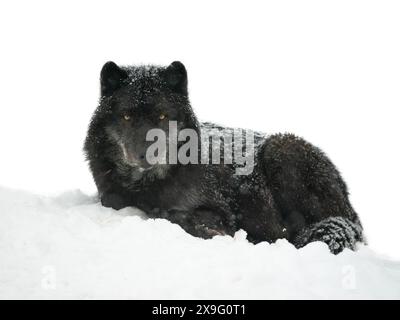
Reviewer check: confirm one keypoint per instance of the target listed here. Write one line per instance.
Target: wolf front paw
(113, 200)
(199, 223)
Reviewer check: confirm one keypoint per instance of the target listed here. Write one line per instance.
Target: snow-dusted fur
(294, 191)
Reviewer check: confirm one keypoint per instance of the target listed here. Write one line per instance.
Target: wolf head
(135, 100)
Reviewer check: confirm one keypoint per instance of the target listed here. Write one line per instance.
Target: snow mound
(70, 246)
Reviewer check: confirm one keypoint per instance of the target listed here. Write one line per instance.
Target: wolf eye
(127, 117)
(162, 116)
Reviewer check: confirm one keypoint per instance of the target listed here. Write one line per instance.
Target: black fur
(294, 191)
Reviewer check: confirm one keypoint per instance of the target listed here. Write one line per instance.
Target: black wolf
(293, 192)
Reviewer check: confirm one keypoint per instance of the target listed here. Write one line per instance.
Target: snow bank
(71, 247)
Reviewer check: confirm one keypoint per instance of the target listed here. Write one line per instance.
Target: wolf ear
(111, 78)
(176, 77)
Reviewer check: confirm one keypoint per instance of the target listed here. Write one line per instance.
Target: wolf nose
(142, 157)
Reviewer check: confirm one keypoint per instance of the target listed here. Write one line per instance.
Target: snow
(69, 246)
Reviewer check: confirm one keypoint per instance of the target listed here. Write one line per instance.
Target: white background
(326, 70)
